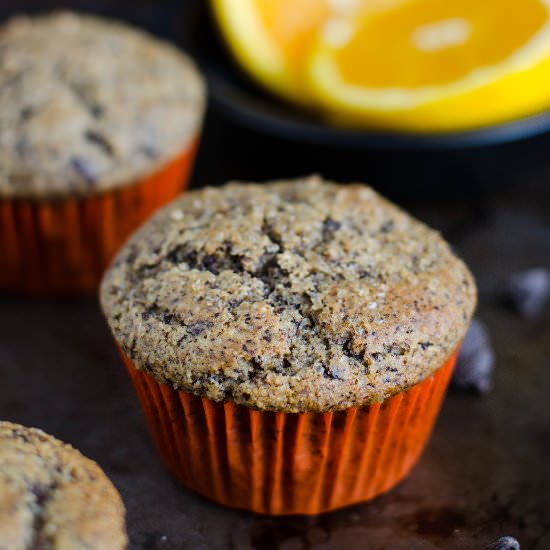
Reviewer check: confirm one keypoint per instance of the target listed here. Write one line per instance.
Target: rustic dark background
(486, 471)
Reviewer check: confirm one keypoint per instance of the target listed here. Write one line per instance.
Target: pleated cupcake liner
(59, 246)
(289, 463)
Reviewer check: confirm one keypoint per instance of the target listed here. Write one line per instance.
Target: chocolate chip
(332, 373)
(167, 318)
(475, 363)
(503, 543)
(183, 254)
(96, 110)
(99, 140)
(331, 225)
(528, 291)
(22, 147)
(387, 227)
(26, 113)
(210, 264)
(196, 329)
(84, 169)
(149, 152)
(40, 492)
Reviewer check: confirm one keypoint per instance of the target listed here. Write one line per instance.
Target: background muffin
(291, 297)
(100, 126)
(52, 496)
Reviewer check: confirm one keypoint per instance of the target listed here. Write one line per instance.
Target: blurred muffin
(100, 124)
(53, 497)
(239, 306)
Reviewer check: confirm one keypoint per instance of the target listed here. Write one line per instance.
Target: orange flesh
(383, 53)
(293, 23)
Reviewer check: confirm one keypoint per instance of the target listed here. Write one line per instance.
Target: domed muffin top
(53, 497)
(288, 296)
(88, 104)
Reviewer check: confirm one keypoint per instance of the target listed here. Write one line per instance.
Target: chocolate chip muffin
(100, 125)
(290, 342)
(53, 497)
(291, 296)
(89, 104)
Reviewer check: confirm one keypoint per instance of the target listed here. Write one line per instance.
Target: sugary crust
(52, 497)
(89, 104)
(290, 296)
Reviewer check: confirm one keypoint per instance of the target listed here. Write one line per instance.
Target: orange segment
(271, 39)
(292, 23)
(433, 43)
(420, 65)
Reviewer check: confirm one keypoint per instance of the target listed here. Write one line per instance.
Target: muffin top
(53, 497)
(290, 296)
(88, 104)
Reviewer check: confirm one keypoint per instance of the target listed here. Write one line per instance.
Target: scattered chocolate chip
(528, 291)
(503, 543)
(100, 140)
(26, 113)
(84, 169)
(196, 329)
(387, 227)
(167, 318)
(475, 363)
(97, 111)
(149, 152)
(39, 492)
(331, 372)
(210, 264)
(183, 254)
(22, 146)
(232, 304)
(330, 226)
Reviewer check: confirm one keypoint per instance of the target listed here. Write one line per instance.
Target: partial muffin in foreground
(53, 497)
(100, 126)
(302, 297)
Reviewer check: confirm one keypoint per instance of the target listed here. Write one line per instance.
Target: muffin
(290, 342)
(100, 123)
(53, 497)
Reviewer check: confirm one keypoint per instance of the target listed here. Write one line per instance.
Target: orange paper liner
(65, 245)
(287, 463)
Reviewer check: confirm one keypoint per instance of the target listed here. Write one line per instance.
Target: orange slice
(272, 38)
(422, 65)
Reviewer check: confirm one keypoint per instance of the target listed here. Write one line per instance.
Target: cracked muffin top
(53, 497)
(88, 104)
(288, 296)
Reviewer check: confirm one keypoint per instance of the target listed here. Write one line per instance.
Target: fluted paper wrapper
(58, 246)
(288, 463)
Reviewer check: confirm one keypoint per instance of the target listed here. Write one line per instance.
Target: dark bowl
(246, 104)
(252, 135)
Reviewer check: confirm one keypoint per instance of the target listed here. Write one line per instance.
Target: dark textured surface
(485, 472)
